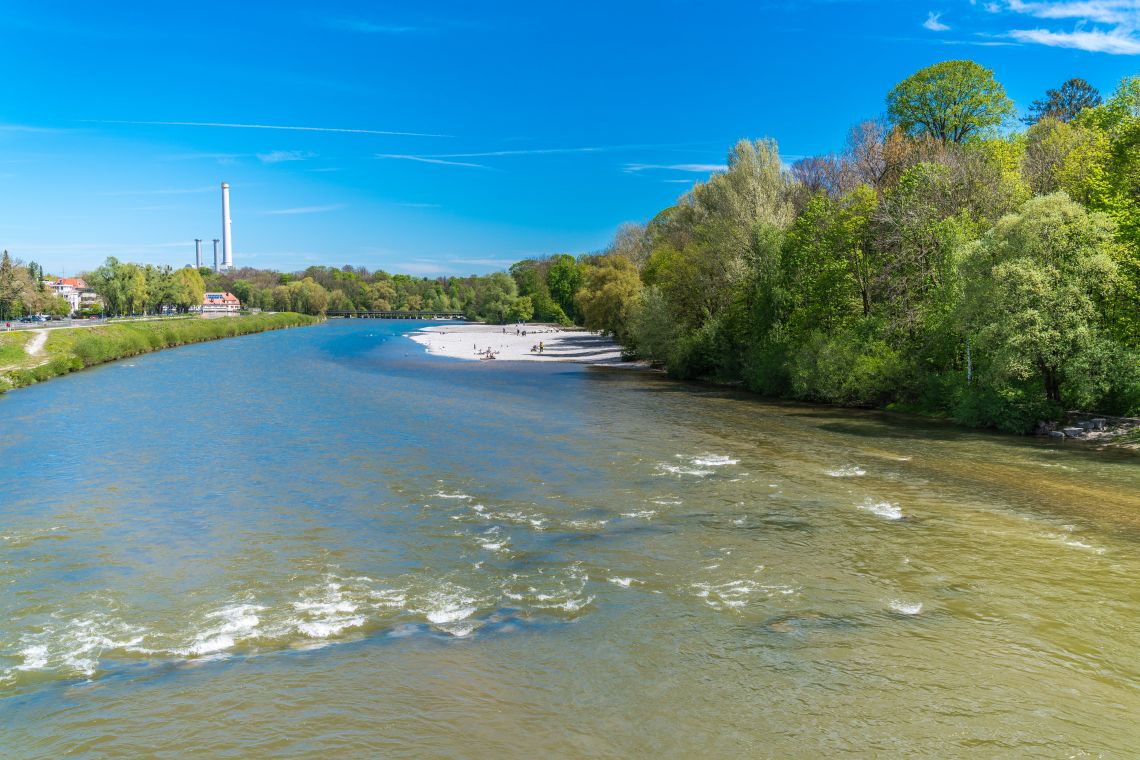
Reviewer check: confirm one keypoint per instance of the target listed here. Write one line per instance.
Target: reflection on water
(322, 540)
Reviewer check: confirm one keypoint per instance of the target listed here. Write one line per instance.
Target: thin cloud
(27, 128)
(482, 262)
(109, 249)
(164, 191)
(225, 158)
(678, 181)
(1100, 12)
(279, 156)
(419, 267)
(368, 27)
(304, 210)
(287, 128)
(1114, 43)
(933, 22)
(1099, 26)
(429, 160)
(634, 168)
(549, 151)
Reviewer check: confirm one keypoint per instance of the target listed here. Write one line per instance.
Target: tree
(57, 306)
(1034, 293)
(186, 289)
(522, 310)
(1065, 103)
(242, 290)
(563, 279)
(951, 101)
(609, 295)
(10, 290)
(1067, 156)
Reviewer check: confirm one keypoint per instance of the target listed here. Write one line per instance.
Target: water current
(323, 542)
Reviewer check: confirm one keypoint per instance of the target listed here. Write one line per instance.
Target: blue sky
(471, 134)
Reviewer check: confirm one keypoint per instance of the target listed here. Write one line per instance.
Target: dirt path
(35, 346)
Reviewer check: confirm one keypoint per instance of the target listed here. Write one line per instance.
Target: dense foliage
(22, 291)
(941, 262)
(938, 263)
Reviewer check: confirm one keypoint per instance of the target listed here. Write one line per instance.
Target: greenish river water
(324, 543)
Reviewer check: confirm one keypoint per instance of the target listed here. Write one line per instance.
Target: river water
(322, 542)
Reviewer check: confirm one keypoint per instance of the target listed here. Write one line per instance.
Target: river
(322, 542)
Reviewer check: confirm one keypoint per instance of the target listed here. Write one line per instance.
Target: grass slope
(69, 350)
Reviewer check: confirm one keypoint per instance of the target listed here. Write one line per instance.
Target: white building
(219, 303)
(75, 289)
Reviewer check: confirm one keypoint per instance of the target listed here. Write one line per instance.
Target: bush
(1013, 409)
(847, 367)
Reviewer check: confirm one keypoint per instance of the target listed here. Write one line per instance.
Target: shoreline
(481, 342)
(72, 350)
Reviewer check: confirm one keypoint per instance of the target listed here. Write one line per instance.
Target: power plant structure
(226, 261)
(227, 242)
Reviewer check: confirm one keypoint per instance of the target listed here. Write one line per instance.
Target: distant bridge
(398, 314)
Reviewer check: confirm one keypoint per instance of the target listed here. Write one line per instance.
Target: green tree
(243, 291)
(10, 290)
(1064, 103)
(57, 306)
(564, 279)
(186, 289)
(951, 101)
(522, 310)
(609, 295)
(1034, 294)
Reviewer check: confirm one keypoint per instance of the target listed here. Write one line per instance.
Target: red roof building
(220, 303)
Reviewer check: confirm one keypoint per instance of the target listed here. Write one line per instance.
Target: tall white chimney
(197, 253)
(227, 243)
(215, 254)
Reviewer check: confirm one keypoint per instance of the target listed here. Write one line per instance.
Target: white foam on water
(623, 582)
(905, 608)
(450, 613)
(883, 509)
(387, 597)
(459, 630)
(446, 605)
(236, 622)
(645, 514)
(734, 595)
(847, 472)
(322, 629)
(713, 460)
(327, 611)
(678, 470)
(668, 502)
(585, 524)
(461, 496)
(79, 645)
(1068, 540)
(35, 657)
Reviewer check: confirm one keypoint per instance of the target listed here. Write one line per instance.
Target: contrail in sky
(262, 126)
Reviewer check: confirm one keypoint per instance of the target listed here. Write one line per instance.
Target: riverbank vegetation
(71, 349)
(946, 261)
(937, 264)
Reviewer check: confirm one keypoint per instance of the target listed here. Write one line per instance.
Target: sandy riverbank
(559, 344)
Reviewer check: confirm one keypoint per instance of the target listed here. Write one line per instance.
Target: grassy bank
(69, 350)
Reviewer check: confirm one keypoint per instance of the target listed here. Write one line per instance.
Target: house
(78, 293)
(220, 303)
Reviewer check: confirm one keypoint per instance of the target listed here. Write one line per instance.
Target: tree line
(22, 291)
(944, 261)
